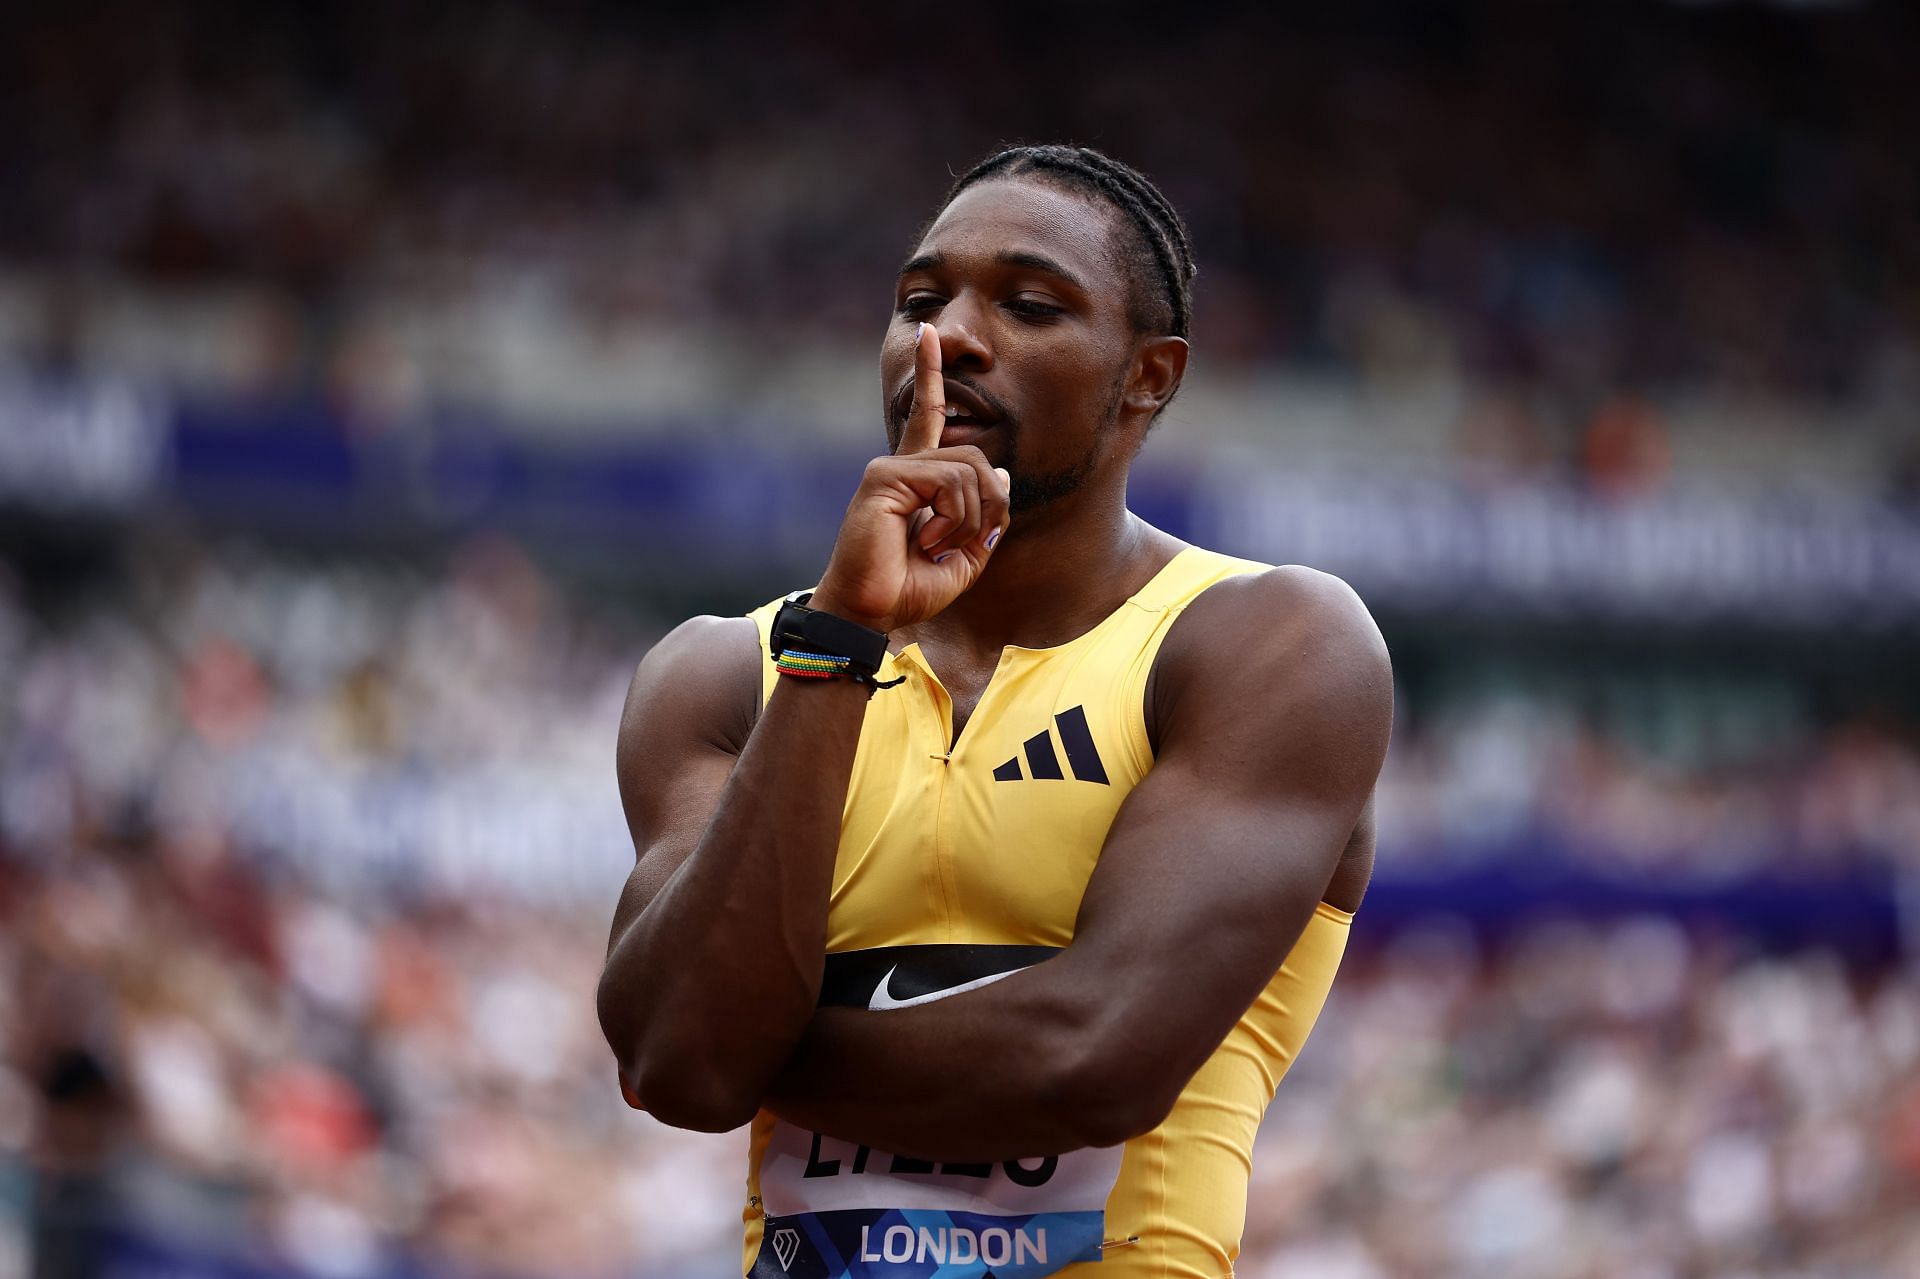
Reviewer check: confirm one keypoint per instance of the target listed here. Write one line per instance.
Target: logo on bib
(786, 1242)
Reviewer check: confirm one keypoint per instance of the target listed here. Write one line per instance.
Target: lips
(965, 407)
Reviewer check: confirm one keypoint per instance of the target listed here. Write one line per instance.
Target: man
(1025, 860)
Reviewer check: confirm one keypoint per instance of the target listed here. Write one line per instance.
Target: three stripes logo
(1043, 763)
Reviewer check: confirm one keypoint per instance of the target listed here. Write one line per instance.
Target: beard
(1030, 492)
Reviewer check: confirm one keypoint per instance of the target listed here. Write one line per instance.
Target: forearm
(1007, 1072)
(708, 986)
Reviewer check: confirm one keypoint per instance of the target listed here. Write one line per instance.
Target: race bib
(836, 1210)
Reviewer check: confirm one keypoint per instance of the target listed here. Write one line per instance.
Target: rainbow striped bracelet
(811, 665)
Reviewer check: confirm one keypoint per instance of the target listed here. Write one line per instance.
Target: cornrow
(1160, 230)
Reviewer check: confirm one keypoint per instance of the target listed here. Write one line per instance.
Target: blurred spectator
(82, 1120)
(1625, 448)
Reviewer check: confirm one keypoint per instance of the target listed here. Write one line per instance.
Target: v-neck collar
(913, 655)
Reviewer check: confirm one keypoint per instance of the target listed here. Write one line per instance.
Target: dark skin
(1269, 707)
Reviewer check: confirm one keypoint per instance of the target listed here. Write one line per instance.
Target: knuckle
(881, 470)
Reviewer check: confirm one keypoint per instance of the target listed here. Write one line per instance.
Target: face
(1021, 280)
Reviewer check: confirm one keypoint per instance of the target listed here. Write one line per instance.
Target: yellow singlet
(956, 866)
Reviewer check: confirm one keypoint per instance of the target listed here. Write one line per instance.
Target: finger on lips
(965, 504)
(928, 415)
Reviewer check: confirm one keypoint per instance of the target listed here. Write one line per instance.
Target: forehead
(1018, 215)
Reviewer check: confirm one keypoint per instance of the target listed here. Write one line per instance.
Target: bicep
(1218, 858)
(689, 710)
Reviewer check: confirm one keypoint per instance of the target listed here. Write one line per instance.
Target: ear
(1158, 366)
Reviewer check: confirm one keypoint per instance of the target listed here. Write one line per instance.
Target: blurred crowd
(295, 1019)
(1622, 1102)
(1476, 190)
(373, 721)
(363, 1088)
(227, 1064)
(1519, 771)
(233, 1045)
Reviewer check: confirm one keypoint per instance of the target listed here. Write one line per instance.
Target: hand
(923, 522)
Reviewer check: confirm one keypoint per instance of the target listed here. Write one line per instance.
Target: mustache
(902, 401)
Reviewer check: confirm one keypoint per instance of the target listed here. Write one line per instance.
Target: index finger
(927, 416)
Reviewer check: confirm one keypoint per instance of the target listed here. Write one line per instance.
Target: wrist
(824, 601)
(812, 643)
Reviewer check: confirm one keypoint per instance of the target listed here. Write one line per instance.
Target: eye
(916, 303)
(1033, 308)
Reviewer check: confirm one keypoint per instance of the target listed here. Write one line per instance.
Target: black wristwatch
(798, 627)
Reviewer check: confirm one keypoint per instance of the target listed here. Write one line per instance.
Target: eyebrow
(1008, 257)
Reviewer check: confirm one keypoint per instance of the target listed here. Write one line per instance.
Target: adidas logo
(1043, 763)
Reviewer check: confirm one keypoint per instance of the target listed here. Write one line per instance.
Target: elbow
(696, 1100)
(673, 1080)
(1110, 1120)
(1108, 1095)
(685, 1089)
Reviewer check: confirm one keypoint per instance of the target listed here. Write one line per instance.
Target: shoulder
(703, 676)
(1281, 606)
(706, 641)
(1273, 644)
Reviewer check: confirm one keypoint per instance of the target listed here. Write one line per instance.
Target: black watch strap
(796, 626)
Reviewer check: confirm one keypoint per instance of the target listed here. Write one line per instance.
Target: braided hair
(1161, 251)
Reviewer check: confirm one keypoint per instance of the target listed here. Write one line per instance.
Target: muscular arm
(719, 940)
(735, 825)
(1275, 706)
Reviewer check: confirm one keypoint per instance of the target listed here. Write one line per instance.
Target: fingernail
(919, 332)
(943, 557)
(993, 537)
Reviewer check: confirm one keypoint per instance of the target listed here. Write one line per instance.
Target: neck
(1057, 573)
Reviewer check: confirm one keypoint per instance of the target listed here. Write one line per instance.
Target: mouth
(966, 408)
(960, 431)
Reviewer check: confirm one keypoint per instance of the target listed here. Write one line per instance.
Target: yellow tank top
(957, 865)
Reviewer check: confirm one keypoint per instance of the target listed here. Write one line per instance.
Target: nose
(962, 346)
